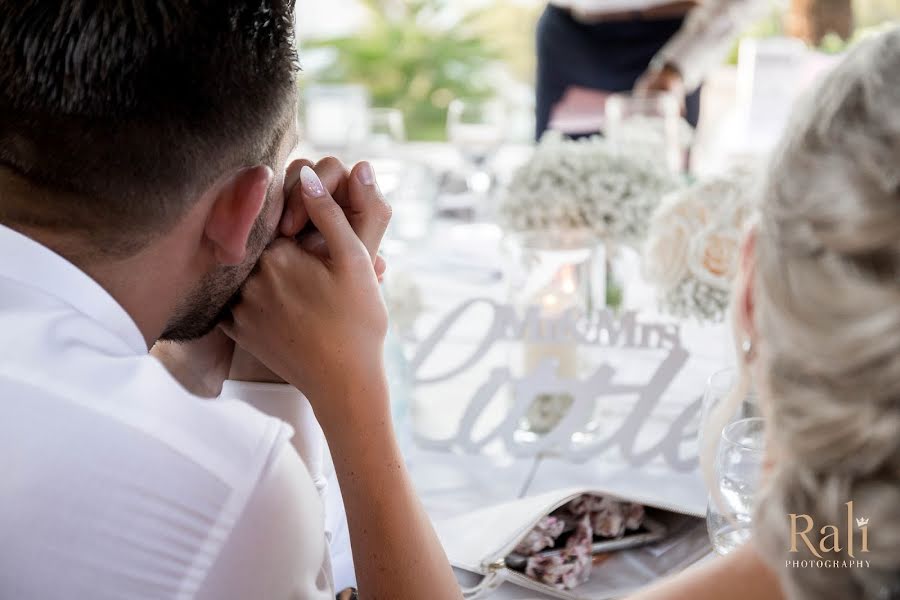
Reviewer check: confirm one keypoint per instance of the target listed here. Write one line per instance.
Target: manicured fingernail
(366, 174)
(290, 180)
(287, 221)
(311, 183)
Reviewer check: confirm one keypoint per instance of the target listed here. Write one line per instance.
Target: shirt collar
(27, 262)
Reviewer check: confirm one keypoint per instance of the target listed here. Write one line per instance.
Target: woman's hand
(318, 321)
(335, 178)
(246, 367)
(666, 78)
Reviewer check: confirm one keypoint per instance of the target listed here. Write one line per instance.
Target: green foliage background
(410, 60)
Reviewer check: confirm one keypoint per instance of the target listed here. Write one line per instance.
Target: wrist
(363, 446)
(356, 404)
(246, 367)
(661, 63)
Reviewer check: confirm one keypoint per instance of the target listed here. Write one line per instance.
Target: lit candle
(554, 300)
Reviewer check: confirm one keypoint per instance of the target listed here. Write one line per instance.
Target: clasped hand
(316, 317)
(312, 310)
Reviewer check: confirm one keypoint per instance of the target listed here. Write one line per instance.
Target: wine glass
(476, 128)
(405, 182)
(653, 119)
(386, 133)
(738, 468)
(335, 116)
(386, 129)
(718, 389)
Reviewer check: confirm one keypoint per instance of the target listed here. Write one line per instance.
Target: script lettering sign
(599, 329)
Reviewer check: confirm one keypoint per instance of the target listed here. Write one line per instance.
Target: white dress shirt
(115, 482)
(704, 39)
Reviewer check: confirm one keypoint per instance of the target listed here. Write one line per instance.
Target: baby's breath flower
(588, 184)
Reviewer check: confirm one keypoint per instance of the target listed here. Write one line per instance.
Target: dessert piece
(559, 551)
(634, 516)
(569, 568)
(542, 536)
(585, 503)
(608, 519)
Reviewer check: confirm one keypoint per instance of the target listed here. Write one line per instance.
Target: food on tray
(572, 566)
(542, 536)
(563, 546)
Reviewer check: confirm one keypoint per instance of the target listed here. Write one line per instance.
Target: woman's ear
(235, 209)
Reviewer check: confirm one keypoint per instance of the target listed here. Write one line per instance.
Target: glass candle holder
(561, 277)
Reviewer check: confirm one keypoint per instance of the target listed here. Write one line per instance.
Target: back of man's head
(115, 115)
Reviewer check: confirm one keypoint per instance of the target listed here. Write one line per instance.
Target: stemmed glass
(476, 128)
(738, 468)
(714, 428)
(386, 129)
(334, 116)
(718, 389)
(385, 138)
(404, 181)
(655, 118)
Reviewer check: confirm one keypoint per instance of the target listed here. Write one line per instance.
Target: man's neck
(140, 283)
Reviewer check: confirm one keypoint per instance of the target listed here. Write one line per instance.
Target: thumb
(328, 217)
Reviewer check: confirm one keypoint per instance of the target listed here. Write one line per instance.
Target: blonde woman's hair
(827, 309)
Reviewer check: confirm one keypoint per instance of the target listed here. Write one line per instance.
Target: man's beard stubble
(210, 302)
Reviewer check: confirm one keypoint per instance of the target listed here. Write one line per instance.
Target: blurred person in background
(645, 46)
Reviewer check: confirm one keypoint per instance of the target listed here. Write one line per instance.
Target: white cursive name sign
(567, 438)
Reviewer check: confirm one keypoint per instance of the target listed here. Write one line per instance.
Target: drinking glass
(476, 128)
(410, 189)
(386, 129)
(334, 115)
(653, 119)
(718, 389)
(738, 467)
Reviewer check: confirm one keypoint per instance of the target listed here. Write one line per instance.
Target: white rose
(688, 207)
(713, 257)
(666, 253)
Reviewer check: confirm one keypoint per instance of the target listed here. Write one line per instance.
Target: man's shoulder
(132, 404)
(144, 480)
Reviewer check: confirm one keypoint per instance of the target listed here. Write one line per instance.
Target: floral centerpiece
(567, 207)
(692, 251)
(588, 184)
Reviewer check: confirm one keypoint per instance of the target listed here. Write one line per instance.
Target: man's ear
(745, 305)
(234, 211)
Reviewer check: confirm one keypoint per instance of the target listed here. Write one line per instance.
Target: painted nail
(366, 174)
(290, 180)
(311, 183)
(287, 221)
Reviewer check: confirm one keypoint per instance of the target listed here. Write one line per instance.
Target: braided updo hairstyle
(826, 295)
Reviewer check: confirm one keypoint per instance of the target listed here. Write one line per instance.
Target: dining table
(451, 248)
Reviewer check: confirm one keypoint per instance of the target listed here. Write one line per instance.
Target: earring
(748, 349)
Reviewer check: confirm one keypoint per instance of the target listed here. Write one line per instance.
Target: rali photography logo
(851, 537)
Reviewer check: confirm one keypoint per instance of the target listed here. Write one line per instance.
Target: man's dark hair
(114, 114)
